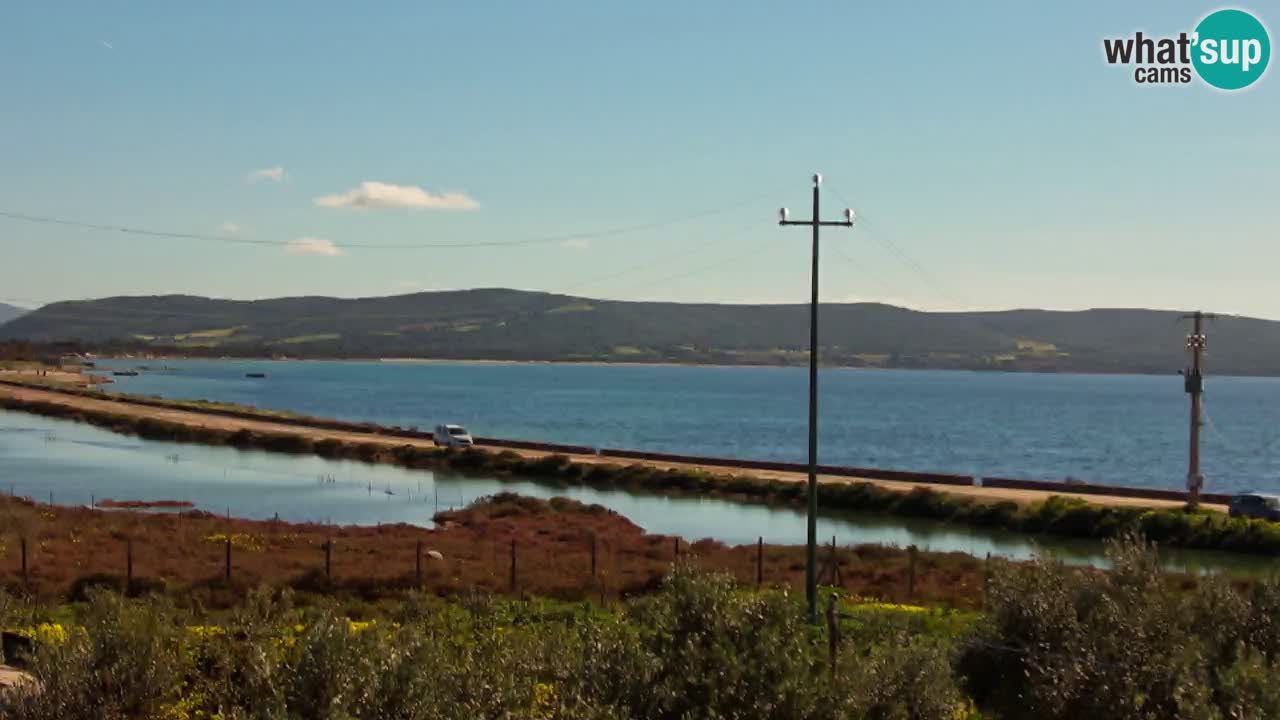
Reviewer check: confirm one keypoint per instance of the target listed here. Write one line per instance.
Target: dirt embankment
(194, 418)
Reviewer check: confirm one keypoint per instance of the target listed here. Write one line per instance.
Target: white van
(452, 436)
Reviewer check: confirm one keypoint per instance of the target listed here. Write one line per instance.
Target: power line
(1213, 427)
(664, 259)
(231, 317)
(747, 253)
(863, 271)
(595, 235)
(902, 256)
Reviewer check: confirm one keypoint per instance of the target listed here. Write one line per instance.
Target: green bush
(123, 662)
(1064, 642)
(700, 648)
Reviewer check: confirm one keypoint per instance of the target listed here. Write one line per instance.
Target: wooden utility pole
(1193, 381)
(811, 545)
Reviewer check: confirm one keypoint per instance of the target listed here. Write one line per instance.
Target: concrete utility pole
(1193, 381)
(811, 553)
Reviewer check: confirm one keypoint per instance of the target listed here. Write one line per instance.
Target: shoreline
(1030, 512)
(637, 363)
(229, 417)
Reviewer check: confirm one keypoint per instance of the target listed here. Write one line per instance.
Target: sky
(993, 158)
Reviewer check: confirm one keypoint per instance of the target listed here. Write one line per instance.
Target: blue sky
(988, 143)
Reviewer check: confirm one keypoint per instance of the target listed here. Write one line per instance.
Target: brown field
(184, 555)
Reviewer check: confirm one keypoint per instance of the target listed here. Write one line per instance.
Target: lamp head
(817, 179)
(848, 215)
(782, 214)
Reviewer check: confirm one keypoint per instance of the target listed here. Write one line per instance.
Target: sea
(1114, 429)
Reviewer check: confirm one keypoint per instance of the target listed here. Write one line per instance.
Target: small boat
(255, 375)
(125, 373)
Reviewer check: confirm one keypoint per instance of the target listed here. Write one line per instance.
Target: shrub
(1061, 642)
(123, 663)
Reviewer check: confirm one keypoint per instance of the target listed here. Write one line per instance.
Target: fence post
(328, 558)
(24, 559)
(593, 554)
(513, 565)
(128, 561)
(835, 563)
(833, 635)
(417, 560)
(912, 552)
(986, 577)
(759, 561)
(677, 552)
(228, 566)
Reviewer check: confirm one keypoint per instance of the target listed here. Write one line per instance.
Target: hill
(9, 312)
(518, 325)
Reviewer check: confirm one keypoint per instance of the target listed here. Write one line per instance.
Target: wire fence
(65, 550)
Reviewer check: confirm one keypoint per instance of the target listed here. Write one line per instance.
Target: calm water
(1118, 429)
(76, 464)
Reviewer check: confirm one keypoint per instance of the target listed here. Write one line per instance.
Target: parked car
(452, 436)
(1255, 505)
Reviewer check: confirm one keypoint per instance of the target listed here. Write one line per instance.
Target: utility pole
(1193, 381)
(811, 547)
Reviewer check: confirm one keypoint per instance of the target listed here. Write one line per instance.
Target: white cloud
(274, 174)
(576, 244)
(313, 246)
(107, 45)
(374, 194)
(230, 228)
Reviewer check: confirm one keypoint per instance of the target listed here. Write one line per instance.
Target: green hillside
(518, 325)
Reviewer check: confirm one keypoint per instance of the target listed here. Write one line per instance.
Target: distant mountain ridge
(504, 324)
(9, 312)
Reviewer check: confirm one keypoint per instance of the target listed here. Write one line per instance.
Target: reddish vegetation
(69, 547)
(145, 504)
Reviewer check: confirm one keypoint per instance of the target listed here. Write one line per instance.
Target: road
(198, 419)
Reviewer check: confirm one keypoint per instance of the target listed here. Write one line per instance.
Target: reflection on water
(80, 463)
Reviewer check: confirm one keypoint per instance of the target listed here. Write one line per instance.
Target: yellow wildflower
(887, 607)
(204, 632)
(241, 541)
(49, 633)
(545, 701)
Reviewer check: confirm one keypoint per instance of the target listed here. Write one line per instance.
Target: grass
(302, 339)
(571, 308)
(629, 350)
(209, 343)
(218, 333)
(1036, 347)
